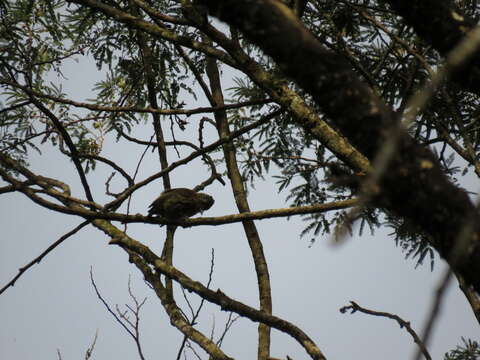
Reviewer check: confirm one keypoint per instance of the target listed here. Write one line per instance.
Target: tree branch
(154, 30)
(66, 137)
(414, 185)
(117, 202)
(406, 324)
(240, 195)
(40, 257)
(141, 255)
(442, 24)
(115, 109)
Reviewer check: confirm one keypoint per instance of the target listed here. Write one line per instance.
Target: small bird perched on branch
(180, 203)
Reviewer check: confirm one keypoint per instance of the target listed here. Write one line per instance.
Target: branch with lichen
(75, 206)
(143, 257)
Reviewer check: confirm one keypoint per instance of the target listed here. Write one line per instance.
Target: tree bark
(443, 25)
(414, 186)
(240, 195)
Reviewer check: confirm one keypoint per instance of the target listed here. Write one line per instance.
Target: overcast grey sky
(53, 306)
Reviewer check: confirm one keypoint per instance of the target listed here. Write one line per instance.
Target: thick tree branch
(240, 195)
(442, 24)
(13, 188)
(196, 313)
(414, 186)
(472, 296)
(47, 186)
(175, 314)
(228, 304)
(80, 207)
(9, 163)
(279, 91)
(146, 256)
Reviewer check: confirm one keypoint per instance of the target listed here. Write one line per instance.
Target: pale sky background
(53, 306)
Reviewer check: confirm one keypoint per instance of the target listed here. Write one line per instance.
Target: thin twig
(109, 309)
(228, 325)
(145, 259)
(86, 213)
(110, 163)
(39, 258)
(137, 169)
(406, 324)
(264, 119)
(196, 314)
(189, 345)
(15, 106)
(136, 312)
(89, 352)
(115, 109)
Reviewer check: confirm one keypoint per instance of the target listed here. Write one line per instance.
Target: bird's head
(205, 201)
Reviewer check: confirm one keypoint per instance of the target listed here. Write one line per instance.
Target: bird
(180, 203)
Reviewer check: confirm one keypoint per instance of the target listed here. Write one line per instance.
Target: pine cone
(180, 203)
